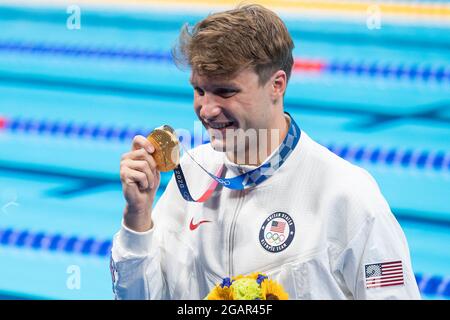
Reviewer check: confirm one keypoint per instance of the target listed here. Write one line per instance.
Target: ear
(278, 83)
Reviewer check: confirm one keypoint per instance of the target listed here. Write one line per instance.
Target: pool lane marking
(55, 242)
(398, 157)
(411, 71)
(428, 284)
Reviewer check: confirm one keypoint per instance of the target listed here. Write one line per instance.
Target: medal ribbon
(248, 179)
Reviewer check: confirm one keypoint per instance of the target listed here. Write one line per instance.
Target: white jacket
(320, 226)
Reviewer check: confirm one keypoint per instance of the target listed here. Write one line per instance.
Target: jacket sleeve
(137, 261)
(376, 262)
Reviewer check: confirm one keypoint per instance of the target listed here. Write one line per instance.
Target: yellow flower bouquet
(255, 286)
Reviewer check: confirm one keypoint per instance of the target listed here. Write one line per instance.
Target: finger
(141, 142)
(130, 177)
(141, 154)
(142, 166)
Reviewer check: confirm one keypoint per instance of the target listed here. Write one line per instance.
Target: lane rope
(58, 243)
(406, 158)
(412, 71)
(55, 242)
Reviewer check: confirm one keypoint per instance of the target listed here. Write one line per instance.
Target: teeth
(219, 125)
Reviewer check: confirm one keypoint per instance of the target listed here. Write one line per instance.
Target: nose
(208, 107)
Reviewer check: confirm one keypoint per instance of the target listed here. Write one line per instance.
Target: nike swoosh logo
(194, 226)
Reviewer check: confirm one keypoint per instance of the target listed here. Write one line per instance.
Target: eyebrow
(217, 85)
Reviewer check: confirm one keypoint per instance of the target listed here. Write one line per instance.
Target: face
(226, 106)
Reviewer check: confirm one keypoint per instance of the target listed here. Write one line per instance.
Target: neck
(268, 141)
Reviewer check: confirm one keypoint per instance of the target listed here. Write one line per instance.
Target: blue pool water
(72, 99)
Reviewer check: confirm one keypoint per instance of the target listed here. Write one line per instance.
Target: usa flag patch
(384, 274)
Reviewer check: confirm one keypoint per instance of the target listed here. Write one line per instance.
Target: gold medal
(167, 148)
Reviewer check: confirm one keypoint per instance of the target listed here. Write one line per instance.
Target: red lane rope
(308, 65)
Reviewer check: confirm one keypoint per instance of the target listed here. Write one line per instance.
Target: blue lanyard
(248, 179)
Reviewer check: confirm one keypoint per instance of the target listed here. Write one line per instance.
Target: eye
(199, 91)
(225, 92)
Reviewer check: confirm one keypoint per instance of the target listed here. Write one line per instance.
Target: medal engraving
(167, 149)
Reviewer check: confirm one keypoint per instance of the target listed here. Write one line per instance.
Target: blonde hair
(224, 43)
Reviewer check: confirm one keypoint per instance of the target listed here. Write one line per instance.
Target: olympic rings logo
(275, 238)
(223, 182)
(276, 232)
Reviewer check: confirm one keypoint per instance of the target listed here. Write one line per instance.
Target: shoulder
(338, 174)
(349, 196)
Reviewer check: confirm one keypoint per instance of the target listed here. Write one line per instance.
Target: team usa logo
(277, 232)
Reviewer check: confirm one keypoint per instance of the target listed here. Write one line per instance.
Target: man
(310, 220)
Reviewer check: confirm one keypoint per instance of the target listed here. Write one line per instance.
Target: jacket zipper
(232, 232)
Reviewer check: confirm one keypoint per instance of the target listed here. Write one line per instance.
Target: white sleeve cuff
(138, 243)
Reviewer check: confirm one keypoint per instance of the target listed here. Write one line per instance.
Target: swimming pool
(71, 101)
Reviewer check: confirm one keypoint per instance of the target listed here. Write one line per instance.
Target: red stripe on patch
(397, 283)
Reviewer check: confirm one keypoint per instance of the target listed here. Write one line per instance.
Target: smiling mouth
(219, 126)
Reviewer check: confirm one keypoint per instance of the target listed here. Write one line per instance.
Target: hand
(140, 181)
